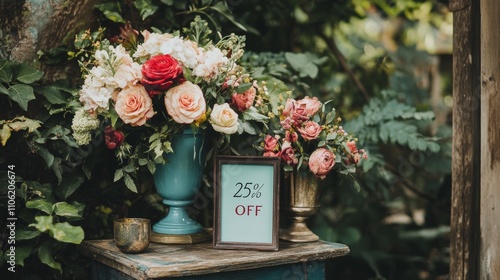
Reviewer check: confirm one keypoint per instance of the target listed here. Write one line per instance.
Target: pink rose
(310, 106)
(244, 100)
(352, 147)
(271, 154)
(113, 138)
(294, 111)
(291, 136)
(160, 72)
(310, 130)
(287, 123)
(185, 103)
(133, 105)
(321, 162)
(288, 154)
(271, 143)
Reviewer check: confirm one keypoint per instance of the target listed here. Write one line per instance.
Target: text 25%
(248, 190)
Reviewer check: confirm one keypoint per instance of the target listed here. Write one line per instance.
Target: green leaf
(22, 234)
(252, 114)
(130, 183)
(46, 155)
(65, 209)
(67, 233)
(6, 71)
(46, 255)
(43, 223)
(28, 74)
(243, 87)
(3, 89)
(40, 204)
(111, 10)
(69, 185)
(145, 7)
(222, 9)
(118, 175)
(22, 252)
(21, 94)
(54, 95)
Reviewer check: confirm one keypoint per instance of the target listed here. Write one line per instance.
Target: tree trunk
(29, 26)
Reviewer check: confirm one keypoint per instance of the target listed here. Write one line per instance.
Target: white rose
(224, 119)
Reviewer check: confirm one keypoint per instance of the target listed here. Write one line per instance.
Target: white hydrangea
(82, 125)
(210, 64)
(186, 52)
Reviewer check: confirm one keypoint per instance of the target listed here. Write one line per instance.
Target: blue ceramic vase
(179, 180)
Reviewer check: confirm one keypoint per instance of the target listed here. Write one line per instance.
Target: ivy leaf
(54, 95)
(111, 10)
(69, 185)
(6, 71)
(43, 223)
(46, 155)
(21, 94)
(23, 234)
(145, 7)
(67, 233)
(22, 252)
(28, 74)
(46, 255)
(65, 209)
(40, 204)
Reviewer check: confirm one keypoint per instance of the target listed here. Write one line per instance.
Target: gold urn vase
(299, 200)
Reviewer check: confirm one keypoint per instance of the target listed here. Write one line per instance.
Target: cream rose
(133, 105)
(224, 119)
(185, 103)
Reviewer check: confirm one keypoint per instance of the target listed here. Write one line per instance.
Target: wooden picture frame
(246, 202)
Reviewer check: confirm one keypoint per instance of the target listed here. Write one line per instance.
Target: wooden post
(464, 247)
(489, 255)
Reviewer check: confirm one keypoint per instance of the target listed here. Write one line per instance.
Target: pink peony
(310, 130)
(185, 103)
(134, 106)
(321, 162)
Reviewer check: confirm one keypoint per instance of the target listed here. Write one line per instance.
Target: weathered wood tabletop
(161, 260)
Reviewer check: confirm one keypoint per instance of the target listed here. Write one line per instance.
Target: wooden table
(201, 261)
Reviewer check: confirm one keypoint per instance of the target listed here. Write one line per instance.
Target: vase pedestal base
(298, 232)
(180, 238)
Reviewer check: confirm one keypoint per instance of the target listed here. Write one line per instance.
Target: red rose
(113, 138)
(161, 72)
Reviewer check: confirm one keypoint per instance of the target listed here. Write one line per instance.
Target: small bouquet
(309, 138)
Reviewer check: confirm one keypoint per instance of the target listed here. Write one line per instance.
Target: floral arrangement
(308, 138)
(141, 93)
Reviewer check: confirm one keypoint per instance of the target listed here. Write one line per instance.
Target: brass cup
(131, 235)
